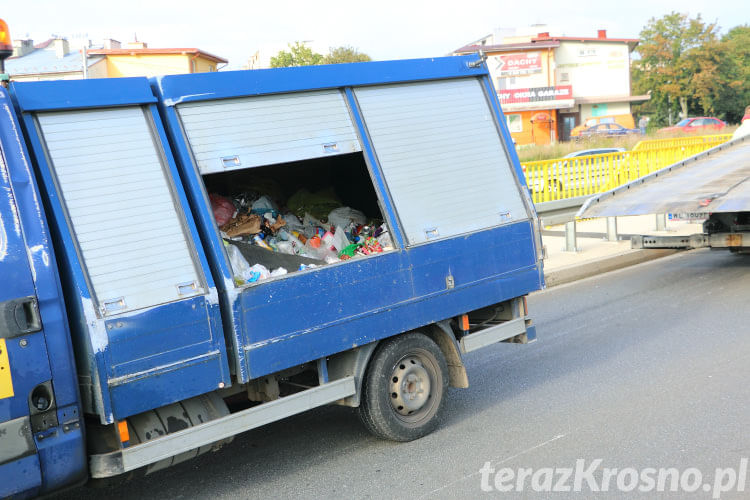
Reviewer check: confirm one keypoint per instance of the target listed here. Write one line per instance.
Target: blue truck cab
(41, 424)
(168, 341)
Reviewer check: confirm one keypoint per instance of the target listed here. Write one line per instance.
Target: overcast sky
(384, 29)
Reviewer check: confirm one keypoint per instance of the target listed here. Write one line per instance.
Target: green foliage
(299, 54)
(671, 52)
(734, 95)
(345, 54)
(687, 68)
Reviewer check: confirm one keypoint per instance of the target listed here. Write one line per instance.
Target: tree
(734, 94)
(345, 54)
(678, 58)
(299, 55)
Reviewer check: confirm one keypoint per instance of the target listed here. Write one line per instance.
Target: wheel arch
(442, 334)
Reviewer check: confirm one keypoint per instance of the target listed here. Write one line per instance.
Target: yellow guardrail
(709, 140)
(562, 178)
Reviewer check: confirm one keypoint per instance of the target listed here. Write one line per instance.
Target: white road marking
(506, 459)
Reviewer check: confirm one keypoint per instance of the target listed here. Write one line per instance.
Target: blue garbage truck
(188, 257)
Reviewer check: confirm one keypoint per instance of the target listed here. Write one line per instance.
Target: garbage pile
(313, 226)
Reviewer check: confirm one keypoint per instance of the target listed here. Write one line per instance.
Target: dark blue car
(607, 130)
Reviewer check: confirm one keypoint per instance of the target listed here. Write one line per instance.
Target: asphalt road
(643, 367)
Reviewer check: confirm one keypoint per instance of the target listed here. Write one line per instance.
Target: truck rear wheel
(403, 388)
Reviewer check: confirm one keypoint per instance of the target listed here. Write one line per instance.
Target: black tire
(396, 403)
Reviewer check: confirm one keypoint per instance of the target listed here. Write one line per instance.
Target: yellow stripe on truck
(6, 382)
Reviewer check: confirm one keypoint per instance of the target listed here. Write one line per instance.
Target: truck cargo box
(417, 147)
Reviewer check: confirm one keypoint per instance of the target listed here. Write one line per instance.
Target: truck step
(120, 461)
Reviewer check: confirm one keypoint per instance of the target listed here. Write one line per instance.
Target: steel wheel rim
(410, 387)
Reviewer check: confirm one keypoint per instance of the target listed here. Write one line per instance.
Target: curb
(577, 272)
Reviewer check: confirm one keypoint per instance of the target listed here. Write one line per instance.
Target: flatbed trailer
(715, 182)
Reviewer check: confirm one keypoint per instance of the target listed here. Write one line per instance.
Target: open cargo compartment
(297, 216)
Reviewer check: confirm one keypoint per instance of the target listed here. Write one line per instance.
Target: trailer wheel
(403, 388)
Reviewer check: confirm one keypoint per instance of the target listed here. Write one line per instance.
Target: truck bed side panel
(292, 321)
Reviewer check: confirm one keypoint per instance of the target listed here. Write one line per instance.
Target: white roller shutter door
(442, 157)
(121, 207)
(264, 130)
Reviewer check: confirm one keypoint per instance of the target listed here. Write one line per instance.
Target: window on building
(192, 66)
(564, 77)
(587, 52)
(515, 124)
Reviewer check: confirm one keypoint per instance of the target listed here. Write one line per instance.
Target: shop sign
(526, 63)
(536, 94)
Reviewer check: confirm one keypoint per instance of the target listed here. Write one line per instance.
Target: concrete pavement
(596, 255)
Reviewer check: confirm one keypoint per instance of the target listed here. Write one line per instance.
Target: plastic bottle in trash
(301, 237)
(259, 241)
(297, 244)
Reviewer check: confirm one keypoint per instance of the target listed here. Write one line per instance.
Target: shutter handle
(231, 161)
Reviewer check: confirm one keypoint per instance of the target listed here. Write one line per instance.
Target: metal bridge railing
(563, 178)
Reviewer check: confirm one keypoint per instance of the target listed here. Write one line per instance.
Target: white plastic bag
(311, 222)
(293, 223)
(278, 272)
(262, 270)
(264, 204)
(385, 239)
(241, 270)
(340, 240)
(343, 216)
(285, 247)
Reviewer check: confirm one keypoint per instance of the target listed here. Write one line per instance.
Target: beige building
(57, 59)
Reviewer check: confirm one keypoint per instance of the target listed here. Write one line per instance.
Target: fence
(563, 178)
(706, 140)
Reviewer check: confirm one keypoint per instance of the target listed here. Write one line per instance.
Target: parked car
(595, 151)
(607, 130)
(577, 170)
(700, 124)
(626, 120)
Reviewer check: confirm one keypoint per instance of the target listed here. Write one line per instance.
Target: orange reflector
(465, 322)
(122, 427)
